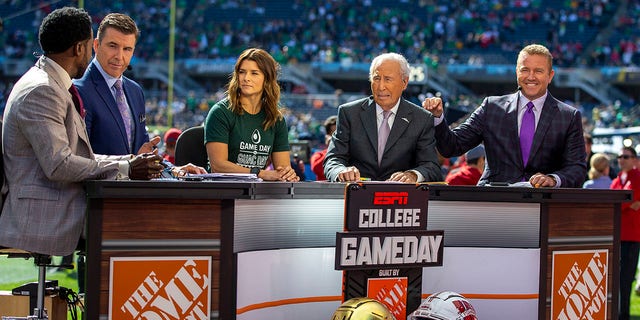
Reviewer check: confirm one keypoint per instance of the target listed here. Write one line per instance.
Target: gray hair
(402, 61)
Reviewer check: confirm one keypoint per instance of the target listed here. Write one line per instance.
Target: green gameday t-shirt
(249, 145)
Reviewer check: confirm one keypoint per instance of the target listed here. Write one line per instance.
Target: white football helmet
(362, 309)
(445, 305)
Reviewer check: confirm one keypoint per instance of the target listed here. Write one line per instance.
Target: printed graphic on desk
(245, 177)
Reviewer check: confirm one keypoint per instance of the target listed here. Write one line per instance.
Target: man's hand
(541, 180)
(433, 105)
(349, 174)
(145, 166)
(404, 176)
(150, 146)
(181, 171)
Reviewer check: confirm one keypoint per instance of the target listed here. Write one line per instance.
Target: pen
(365, 179)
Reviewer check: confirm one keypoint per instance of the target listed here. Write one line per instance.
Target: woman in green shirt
(246, 129)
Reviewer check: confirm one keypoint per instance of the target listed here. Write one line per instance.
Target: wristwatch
(255, 170)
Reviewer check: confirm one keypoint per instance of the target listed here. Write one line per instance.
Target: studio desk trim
(225, 228)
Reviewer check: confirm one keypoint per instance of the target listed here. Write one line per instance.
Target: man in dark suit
(409, 153)
(106, 124)
(557, 153)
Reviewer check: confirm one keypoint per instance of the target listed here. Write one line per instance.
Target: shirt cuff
(419, 175)
(123, 170)
(438, 120)
(558, 181)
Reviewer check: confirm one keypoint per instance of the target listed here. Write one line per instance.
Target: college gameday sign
(579, 285)
(385, 244)
(160, 288)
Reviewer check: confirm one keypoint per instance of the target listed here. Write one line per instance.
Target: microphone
(129, 67)
(519, 88)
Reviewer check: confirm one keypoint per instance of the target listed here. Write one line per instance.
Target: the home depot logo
(160, 288)
(392, 292)
(579, 284)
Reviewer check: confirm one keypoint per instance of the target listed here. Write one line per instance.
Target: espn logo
(390, 198)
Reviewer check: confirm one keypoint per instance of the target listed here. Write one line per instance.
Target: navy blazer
(104, 122)
(411, 143)
(558, 144)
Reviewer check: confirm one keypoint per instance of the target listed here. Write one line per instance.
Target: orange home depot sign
(392, 292)
(160, 288)
(579, 284)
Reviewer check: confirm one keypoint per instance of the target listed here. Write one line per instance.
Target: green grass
(17, 271)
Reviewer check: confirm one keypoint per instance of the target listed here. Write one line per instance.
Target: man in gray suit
(358, 149)
(556, 156)
(46, 150)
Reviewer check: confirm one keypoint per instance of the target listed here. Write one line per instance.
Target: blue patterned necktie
(383, 134)
(527, 130)
(124, 109)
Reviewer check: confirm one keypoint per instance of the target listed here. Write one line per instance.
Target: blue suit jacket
(410, 145)
(558, 144)
(104, 122)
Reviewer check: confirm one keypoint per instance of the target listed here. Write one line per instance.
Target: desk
(272, 243)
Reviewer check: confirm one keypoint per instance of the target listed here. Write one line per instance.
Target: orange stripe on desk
(496, 296)
(286, 302)
(485, 296)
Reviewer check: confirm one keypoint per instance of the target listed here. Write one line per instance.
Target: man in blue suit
(106, 123)
(557, 154)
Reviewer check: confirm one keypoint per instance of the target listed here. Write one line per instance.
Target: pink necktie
(77, 100)
(527, 130)
(121, 101)
(383, 134)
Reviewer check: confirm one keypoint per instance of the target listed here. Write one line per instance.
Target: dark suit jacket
(103, 119)
(411, 143)
(558, 144)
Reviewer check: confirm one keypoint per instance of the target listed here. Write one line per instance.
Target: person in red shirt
(628, 179)
(469, 173)
(317, 158)
(170, 138)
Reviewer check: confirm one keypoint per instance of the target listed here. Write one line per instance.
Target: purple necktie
(121, 101)
(77, 100)
(527, 130)
(383, 134)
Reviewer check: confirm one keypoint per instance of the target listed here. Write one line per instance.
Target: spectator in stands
(384, 136)
(247, 128)
(45, 147)
(588, 143)
(317, 159)
(555, 155)
(598, 172)
(170, 138)
(628, 179)
(116, 120)
(469, 173)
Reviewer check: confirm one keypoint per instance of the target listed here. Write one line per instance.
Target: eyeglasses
(624, 156)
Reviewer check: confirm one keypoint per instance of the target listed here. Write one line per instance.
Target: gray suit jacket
(558, 144)
(46, 155)
(411, 143)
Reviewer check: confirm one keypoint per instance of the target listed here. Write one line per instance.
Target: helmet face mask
(445, 305)
(362, 309)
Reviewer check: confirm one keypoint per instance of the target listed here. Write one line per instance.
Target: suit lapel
(80, 127)
(104, 92)
(369, 122)
(549, 111)
(400, 124)
(512, 118)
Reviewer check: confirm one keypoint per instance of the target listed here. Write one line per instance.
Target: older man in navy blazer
(557, 154)
(409, 154)
(114, 46)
